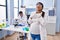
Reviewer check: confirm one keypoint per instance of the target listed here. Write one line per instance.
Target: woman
(22, 18)
(38, 20)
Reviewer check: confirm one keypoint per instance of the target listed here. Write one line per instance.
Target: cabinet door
(51, 28)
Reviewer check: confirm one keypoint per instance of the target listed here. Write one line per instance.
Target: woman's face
(21, 14)
(39, 7)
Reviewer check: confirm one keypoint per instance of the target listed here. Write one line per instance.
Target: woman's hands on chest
(36, 16)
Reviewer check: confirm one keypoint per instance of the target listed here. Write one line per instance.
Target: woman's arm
(30, 18)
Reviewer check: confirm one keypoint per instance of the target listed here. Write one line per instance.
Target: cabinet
(51, 25)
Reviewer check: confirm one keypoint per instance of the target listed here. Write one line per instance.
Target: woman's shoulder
(32, 13)
(45, 13)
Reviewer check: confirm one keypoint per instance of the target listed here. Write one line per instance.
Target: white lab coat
(42, 22)
(22, 19)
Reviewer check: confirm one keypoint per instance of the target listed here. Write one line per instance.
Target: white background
(32, 3)
(2, 2)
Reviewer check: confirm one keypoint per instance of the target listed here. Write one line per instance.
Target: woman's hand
(31, 18)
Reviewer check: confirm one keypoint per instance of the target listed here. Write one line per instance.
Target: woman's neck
(38, 11)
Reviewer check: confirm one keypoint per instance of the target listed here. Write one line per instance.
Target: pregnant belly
(35, 28)
(35, 24)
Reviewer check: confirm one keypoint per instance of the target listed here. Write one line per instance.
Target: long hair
(43, 13)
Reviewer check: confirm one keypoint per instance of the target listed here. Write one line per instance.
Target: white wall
(58, 15)
(32, 3)
(2, 11)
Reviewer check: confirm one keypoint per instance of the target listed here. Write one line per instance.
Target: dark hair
(39, 3)
(43, 14)
(20, 12)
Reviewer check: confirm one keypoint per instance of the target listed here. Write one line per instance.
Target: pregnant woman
(37, 21)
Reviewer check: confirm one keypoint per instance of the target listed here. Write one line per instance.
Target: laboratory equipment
(2, 24)
(15, 22)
